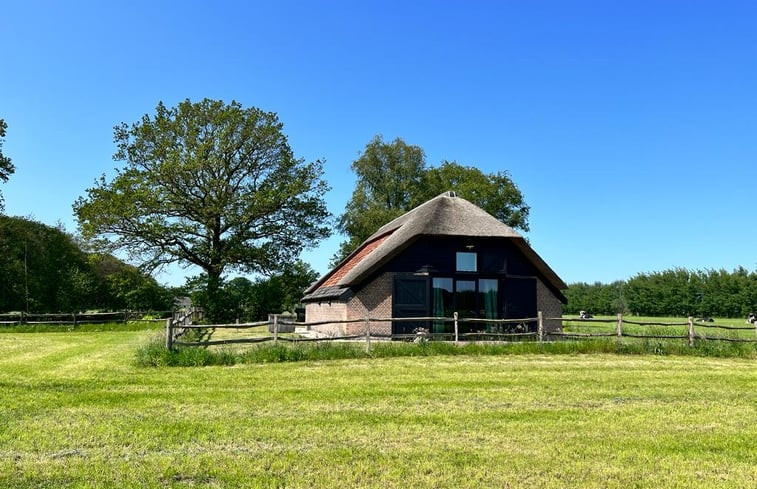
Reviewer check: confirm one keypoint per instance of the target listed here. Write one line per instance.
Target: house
(446, 255)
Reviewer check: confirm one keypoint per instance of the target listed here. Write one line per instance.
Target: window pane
(487, 289)
(410, 291)
(466, 298)
(466, 262)
(442, 299)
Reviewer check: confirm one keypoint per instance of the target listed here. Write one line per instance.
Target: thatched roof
(444, 215)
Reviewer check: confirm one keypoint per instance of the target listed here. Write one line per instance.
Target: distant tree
(282, 292)
(44, 269)
(208, 184)
(496, 193)
(596, 298)
(127, 287)
(254, 300)
(392, 178)
(675, 292)
(389, 181)
(6, 167)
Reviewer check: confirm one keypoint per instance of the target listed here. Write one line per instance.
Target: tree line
(44, 269)
(676, 292)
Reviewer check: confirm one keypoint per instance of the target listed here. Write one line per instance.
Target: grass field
(75, 411)
(747, 332)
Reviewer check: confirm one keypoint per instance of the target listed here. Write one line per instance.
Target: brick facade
(374, 300)
(549, 305)
(326, 311)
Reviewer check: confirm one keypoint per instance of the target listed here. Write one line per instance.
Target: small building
(446, 255)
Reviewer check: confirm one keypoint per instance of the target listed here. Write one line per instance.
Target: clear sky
(630, 126)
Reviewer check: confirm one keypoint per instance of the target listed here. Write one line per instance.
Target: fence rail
(67, 319)
(179, 326)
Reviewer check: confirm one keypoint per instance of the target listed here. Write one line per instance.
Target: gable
(445, 216)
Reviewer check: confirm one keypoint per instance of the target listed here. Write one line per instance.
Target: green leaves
(392, 178)
(210, 184)
(6, 167)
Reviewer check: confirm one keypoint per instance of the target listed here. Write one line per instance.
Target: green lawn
(607, 324)
(76, 412)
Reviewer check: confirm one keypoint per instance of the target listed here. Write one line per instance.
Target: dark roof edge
(327, 293)
(315, 285)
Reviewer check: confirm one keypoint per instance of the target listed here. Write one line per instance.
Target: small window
(466, 261)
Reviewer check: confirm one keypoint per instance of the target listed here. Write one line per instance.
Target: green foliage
(128, 287)
(208, 184)
(392, 178)
(389, 183)
(675, 292)
(495, 193)
(597, 298)
(6, 167)
(240, 298)
(45, 270)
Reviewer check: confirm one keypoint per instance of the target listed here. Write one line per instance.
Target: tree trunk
(214, 309)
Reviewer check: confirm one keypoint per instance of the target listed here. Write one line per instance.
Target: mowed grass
(75, 411)
(673, 326)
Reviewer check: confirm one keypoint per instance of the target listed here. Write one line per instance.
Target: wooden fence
(691, 333)
(66, 319)
(176, 328)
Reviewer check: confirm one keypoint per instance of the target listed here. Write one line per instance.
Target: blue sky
(630, 126)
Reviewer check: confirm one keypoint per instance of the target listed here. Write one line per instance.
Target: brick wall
(549, 305)
(326, 311)
(375, 301)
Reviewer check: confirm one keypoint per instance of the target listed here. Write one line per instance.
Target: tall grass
(155, 354)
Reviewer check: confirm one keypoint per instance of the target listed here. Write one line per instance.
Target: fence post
(454, 315)
(169, 333)
(74, 316)
(275, 328)
(691, 331)
(367, 335)
(540, 326)
(619, 328)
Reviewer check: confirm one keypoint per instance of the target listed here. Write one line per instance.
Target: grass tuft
(155, 354)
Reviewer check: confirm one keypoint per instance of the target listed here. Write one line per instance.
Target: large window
(487, 297)
(469, 298)
(442, 298)
(465, 298)
(466, 262)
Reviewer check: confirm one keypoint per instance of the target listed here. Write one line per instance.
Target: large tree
(208, 184)
(6, 167)
(496, 193)
(389, 178)
(392, 178)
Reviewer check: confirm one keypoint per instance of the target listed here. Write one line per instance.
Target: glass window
(466, 298)
(487, 302)
(442, 303)
(466, 261)
(487, 290)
